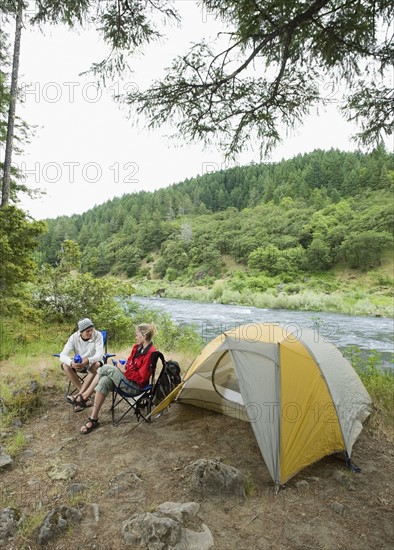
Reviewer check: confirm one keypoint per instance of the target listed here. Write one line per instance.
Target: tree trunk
(5, 195)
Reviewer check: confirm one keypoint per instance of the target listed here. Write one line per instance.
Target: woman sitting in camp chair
(136, 372)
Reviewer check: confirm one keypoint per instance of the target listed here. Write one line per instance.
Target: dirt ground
(324, 513)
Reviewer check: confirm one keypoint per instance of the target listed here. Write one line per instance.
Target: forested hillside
(302, 215)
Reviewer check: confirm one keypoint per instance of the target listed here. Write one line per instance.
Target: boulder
(57, 521)
(213, 477)
(63, 471)
(151, 531)
(5, 459)
(165, 529)
(10, 519)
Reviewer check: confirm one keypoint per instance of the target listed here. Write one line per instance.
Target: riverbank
(356, 299)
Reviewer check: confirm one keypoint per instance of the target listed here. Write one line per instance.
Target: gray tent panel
(259, 381)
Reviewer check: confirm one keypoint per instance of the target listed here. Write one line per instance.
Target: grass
(15, 443)
(17, 401)
(38, 338)
(348, 302)
(341, 291)
(379, 382)
(29, 526)
(250, 487)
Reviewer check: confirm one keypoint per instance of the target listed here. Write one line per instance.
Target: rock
(117, 489)
(17, 423)
(302, 484)
(338, 508)
(96, 512)
(27, 453)
(33, 386)
(76, 488)
(202, 540)
(63, 471)
(60, 519)
(54, 450)
(151, 531)
(33, 481)
(263, 544)
(343, 479)
(3, 408)
(212, 477)
(178, 511)
(164, 529)
(5, 459)
(10, 519)
(125, 481)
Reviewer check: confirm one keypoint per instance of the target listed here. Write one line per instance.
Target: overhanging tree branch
(204, 100)
(269, 74)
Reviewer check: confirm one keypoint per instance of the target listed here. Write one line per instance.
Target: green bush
(294, 288)
(261, 283)
(62, 297)
(365, 249)
(238, 281)
(383, 279)
(170, 336)
(18, 400)
(378, 380)
(171, 274)
(144, 272)
(217, 290)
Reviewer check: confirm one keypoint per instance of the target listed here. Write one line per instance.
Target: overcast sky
(87, 151)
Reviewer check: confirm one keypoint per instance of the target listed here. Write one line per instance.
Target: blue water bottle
(77, 359)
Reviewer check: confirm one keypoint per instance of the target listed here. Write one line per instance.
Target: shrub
(217, 290)
(238, 281)
(18, 401)
(261, 283)
(365, 249)
(170, 335)
(378, 380)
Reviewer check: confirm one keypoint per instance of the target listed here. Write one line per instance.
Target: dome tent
(303, 399)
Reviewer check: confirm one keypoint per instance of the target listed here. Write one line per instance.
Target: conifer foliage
(272, 62)
(300, 215)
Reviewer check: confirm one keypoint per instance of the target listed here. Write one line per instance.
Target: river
(367, 333)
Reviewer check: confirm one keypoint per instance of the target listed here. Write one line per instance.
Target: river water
(367, 333)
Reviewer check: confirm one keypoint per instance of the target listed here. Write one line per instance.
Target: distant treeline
(299, 215)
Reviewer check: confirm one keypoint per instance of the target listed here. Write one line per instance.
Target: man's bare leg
(72, 376)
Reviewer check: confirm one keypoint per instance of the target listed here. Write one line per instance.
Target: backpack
(169, 378)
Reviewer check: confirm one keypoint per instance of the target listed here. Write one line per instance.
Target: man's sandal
(80, 403)
(90, 425)
(71, 399)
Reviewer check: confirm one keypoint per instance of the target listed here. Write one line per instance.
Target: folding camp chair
(83, 372)
(141, 403)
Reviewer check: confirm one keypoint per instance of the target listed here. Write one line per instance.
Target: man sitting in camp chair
(88, 344)
(136, 372)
